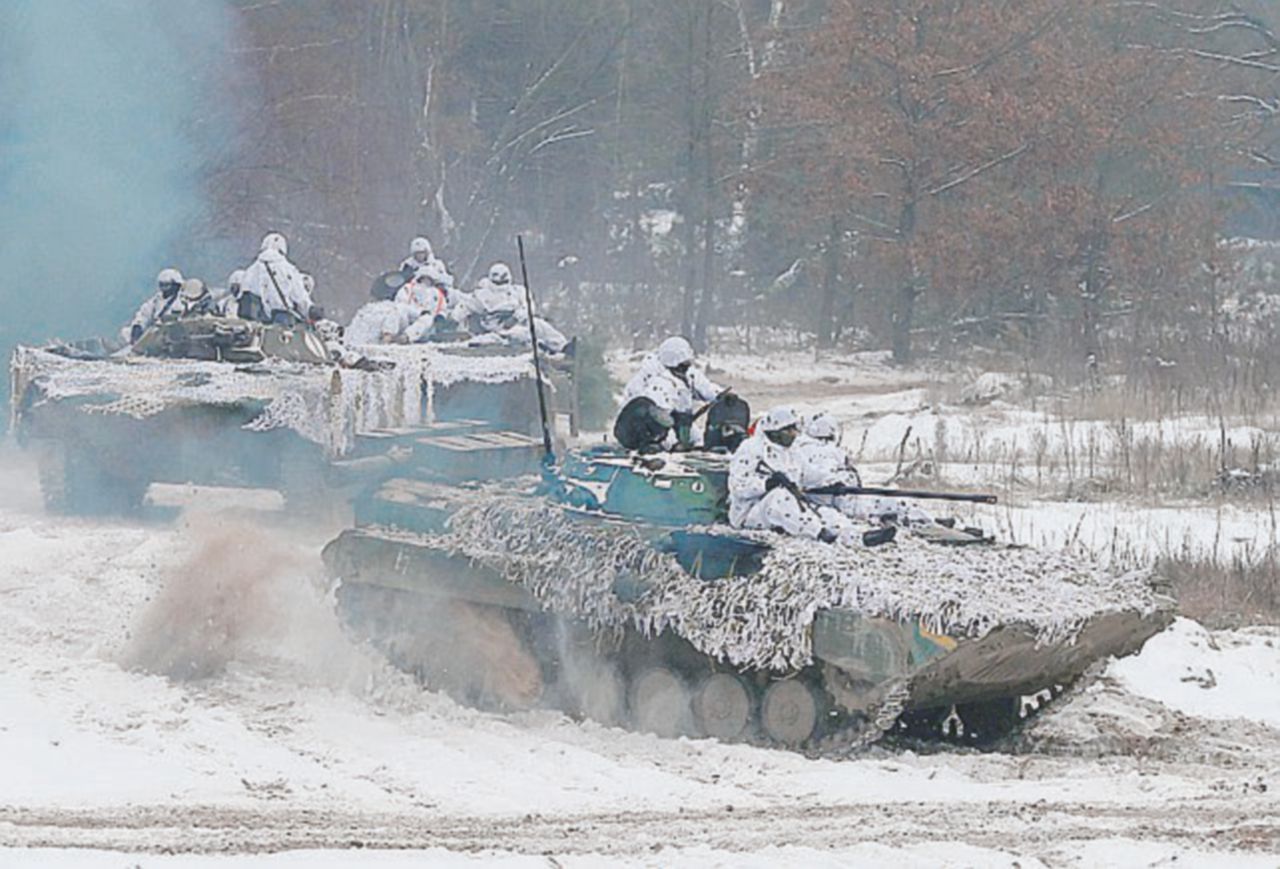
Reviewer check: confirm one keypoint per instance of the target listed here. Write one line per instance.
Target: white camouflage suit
(657, 382)
(227, 302)
(501, 311)
(288, 291)
(151, 310)
(425, 295)
(433, 271)
(753, 505)
(821, 461)
(386, 321)
(156, 306)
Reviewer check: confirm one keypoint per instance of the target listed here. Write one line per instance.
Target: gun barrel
(904, 493)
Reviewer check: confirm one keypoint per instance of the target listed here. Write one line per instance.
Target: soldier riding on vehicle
(497, 313)
(276, 289)
(423, 267)
(168, 283)
(765, 487)
(662, 395)
(824, 463)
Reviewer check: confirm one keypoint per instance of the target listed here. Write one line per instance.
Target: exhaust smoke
(111, 116)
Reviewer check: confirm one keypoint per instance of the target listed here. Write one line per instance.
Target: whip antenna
(537, 361)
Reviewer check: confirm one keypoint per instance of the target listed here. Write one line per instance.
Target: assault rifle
(874, 537)
(284, 303)
(840, 489)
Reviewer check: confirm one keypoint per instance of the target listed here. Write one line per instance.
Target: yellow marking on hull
(940, 639)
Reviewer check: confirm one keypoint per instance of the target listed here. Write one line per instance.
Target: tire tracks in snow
(1245, 823)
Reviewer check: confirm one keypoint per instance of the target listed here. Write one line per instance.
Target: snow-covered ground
(299, 748)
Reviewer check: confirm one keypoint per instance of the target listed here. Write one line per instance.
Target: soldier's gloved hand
(135, 333)
(776, 479)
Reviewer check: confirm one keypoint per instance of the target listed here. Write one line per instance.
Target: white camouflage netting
(324, 404)
(763, 620)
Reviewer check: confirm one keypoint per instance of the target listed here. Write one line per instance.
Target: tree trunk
(1092, 287)
(903, 320)
(826, 327)
(708, 189)
(689, 227)
(905, 308)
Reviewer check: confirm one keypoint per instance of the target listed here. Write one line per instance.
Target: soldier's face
(783, 437)
(422, 256)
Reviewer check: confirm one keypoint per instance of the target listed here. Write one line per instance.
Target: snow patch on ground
(1209, 674)
(301, 741)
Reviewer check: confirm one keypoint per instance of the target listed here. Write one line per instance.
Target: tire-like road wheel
(598, 691)
(789, 712)
(722, 706)
(659, 702)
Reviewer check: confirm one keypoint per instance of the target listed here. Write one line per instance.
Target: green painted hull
(856, 659)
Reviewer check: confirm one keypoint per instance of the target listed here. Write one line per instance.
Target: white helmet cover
(236, 278)
(674, 352)
(276, 242)
(420, 244)
(499, 273)
(823, 427)
(194, 289)
(328, 330)
(779, 418)
(169, 276)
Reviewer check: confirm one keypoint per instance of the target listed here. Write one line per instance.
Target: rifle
(548, 454)
(874, 537)
(801, 496)
(168, 303)
(840, 489)
(284, 303)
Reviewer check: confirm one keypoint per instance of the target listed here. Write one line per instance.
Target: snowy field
(304, 750)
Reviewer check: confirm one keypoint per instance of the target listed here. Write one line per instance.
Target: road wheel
(597, 691)
(659, 702)
(789, 712)
(722, 706)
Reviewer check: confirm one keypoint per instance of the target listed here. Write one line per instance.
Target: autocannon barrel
(903, 493)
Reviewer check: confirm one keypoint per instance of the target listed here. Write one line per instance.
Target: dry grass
(1226, 595)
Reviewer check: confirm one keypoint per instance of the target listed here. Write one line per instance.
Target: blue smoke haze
(111, 113)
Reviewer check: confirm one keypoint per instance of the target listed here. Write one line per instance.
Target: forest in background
(1060, 182)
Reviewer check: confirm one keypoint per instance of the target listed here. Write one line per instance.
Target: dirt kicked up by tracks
(276, 733)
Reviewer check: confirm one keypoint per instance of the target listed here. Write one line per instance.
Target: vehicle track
(1251, 825)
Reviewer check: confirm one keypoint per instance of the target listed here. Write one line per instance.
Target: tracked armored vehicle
(224, 402)
(611, 587)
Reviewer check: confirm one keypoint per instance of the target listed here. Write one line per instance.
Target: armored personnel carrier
(610, 586)
(225, 402)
